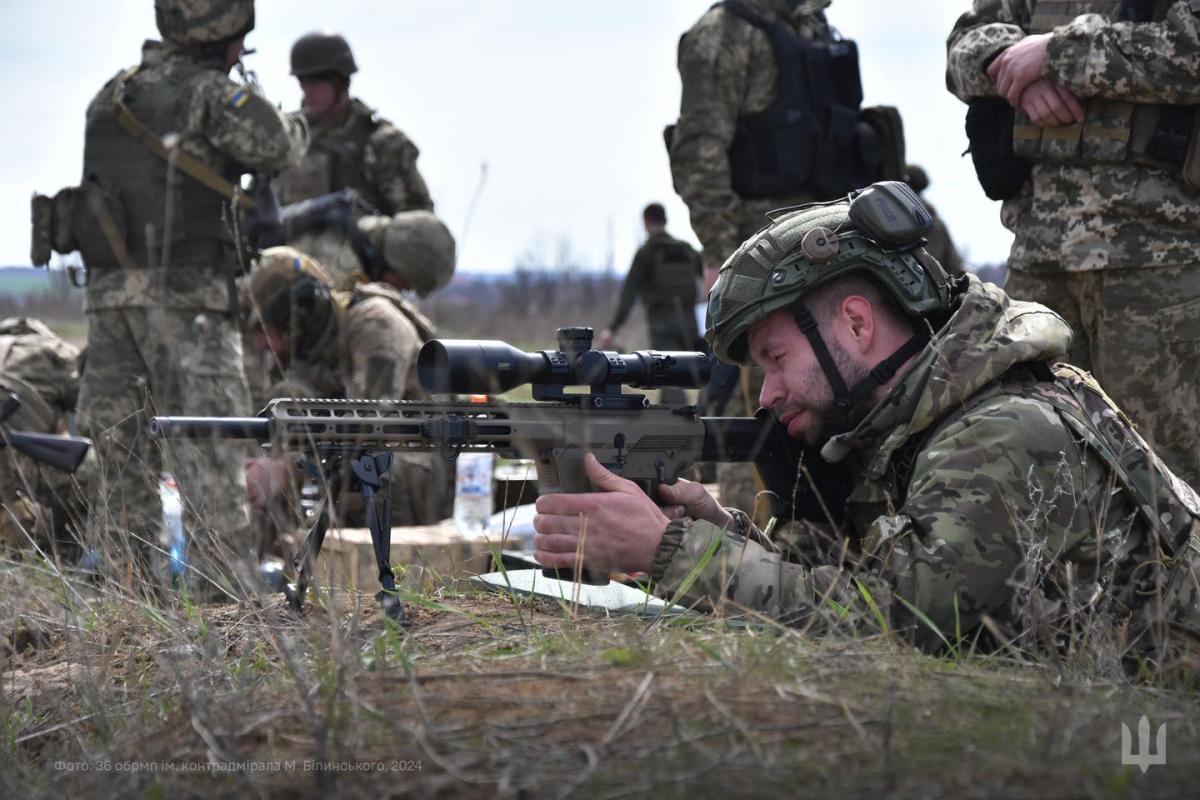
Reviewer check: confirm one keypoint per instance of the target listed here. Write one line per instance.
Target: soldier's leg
(1148, 358)
(1073, 296)
(124, 511)
(197, 371)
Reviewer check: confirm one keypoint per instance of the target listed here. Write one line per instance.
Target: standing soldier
(164, 144)
(1105, 207)
(664, 273)
(753, 135)
(352, 148)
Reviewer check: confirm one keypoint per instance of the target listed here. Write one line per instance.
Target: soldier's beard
(826, 420)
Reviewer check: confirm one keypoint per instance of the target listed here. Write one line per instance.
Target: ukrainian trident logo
(1143, 757)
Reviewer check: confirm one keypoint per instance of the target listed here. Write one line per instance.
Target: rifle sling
(189, 165)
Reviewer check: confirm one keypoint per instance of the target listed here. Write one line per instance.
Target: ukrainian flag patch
(239, 99)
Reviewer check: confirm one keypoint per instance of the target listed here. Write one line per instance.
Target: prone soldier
(42, 370)
(992, 493)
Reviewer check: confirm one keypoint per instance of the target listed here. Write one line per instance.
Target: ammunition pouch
(1000, 170)
(54, 225)
(1117, 132)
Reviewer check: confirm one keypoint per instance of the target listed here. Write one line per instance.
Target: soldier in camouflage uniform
(352, 147)
(163, 334)
(1107, 228)
(362, 343)
(664, 274)
(992, 494)
(42, 370)
(729, 73)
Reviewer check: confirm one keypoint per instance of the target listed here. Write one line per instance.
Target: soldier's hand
(689, 499)
(1018, 66)
(605, 340)
(624, 526)
(1048, 103)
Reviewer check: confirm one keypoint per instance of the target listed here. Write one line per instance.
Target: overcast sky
(564, 100)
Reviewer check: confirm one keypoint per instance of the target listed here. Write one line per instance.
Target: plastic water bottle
(172, 507)
(473, 492)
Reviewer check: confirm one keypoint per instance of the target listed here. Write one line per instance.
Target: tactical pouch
(99, 226)
(41, 219)
(1000, 170)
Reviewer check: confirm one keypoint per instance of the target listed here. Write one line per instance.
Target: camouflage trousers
(147, 361)
(1138, 332)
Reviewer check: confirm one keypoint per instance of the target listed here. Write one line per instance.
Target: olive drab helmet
(321, 52)
(416, 245)
(293, 293)
(200, 22)
(879, 232)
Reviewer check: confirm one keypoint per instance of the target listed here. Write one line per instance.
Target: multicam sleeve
(390, 163)
(382, 346)
(713, 79)
(245, 126)
(978, 36)
(1140, 62)
(703, 566)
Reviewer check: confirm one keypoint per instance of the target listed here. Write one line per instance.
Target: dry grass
(103, 695)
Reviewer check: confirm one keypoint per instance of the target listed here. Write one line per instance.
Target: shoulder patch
(239, 98)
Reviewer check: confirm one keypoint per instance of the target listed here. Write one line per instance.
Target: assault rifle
(648, 444)
(64, 453)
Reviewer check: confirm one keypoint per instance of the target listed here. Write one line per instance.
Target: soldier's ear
(859, 320)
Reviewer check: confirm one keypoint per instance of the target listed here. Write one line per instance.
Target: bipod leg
(373, 473)
(304, 562)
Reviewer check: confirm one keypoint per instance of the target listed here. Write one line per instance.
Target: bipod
(371, 477)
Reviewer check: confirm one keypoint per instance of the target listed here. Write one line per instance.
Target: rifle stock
(64, 453)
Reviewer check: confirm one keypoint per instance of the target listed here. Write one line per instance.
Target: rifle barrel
(211, 427)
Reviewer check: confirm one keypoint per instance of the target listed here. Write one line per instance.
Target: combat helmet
(293, 293)
(322, 52)
(201, 22)
(878, 232)
(416, 245)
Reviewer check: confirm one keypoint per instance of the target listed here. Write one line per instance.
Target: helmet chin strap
(845, 399)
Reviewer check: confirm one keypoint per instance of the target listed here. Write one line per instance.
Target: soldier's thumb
(601, 478)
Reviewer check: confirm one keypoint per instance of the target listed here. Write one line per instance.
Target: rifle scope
(487, 366)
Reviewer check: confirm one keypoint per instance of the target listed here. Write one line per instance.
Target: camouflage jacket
(362, 152)
(219, 122)
(1087, 216)
(371, 351)
(727, 67)
(41, 369)
(973, 505)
